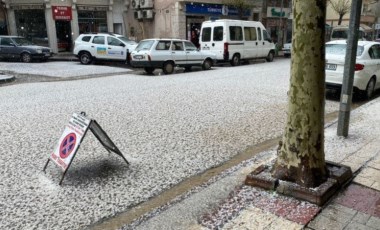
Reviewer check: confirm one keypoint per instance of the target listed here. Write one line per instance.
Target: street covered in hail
(168, 127)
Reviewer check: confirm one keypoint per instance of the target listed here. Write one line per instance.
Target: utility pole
(349, 65)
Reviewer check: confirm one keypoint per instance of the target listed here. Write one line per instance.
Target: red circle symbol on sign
(67, 145)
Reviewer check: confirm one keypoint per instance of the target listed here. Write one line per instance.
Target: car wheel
(286, 55)
(270, 56)
(207, 64)
(26, 57)
(370, 89)
(149, 70)
(235, 61)
(168, 67)
(85, 58)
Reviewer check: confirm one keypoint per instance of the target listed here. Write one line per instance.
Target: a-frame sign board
(73, 136)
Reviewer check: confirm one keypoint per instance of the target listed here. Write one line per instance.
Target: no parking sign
(70, 140)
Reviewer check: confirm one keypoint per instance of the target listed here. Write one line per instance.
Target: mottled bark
(301, 156)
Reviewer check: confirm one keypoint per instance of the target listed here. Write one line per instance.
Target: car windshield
(144, 45)
(22, 41)
(126, 40)
(340, 49)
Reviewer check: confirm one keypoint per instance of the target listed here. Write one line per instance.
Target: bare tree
(301, 157)
(341, 7)
(375, 8)
(241, 5)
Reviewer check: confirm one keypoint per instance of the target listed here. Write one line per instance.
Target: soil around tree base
(339, 175)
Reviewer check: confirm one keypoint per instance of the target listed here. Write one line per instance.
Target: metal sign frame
(103, 138)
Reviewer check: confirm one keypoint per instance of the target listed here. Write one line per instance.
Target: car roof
(102, 33)
(360, 43)
(171, 39)
(10, 36)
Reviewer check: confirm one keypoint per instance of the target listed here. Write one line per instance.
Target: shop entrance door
(64, 39)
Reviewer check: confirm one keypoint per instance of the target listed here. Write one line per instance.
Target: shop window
(3, 22)
(92, 21)
(31, 25)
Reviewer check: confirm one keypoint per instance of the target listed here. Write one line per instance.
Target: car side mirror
(122, 44)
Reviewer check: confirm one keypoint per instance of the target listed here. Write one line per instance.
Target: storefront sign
(276, 12)
(62, 13)
(213, 9)
(27, 7)
(93, 8)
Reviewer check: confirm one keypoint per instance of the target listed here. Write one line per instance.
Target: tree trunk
(301, 156)
(340, 19)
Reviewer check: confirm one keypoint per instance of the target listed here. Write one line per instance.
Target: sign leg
(46, 164)
(63, 175)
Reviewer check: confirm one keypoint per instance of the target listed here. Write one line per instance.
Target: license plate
(330, 66)
(138, 57)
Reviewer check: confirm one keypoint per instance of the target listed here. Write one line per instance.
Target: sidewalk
(357, 206)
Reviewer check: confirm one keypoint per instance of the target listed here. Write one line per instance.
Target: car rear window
(163, 45)
(340, 49)
(339, 34)
(86, 38)
(144, 45)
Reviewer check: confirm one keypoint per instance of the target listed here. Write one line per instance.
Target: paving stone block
(354, 165)
(357, 226)
(323, 222)
(376, 185)
(363, 181)
(374, 222)
(281, 224)
(361, 218)
(339, 214)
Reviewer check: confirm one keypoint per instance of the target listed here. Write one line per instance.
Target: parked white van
(236, 40)
(341, 33)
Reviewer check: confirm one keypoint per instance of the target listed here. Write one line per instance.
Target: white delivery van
(236, 40)
(341, 33)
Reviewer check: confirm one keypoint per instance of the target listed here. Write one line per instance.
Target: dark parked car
(15, 47)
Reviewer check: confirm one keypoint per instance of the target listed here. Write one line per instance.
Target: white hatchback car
(103, 46)
(165, 54)
(367, 67)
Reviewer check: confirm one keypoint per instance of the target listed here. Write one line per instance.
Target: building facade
(56, 23)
